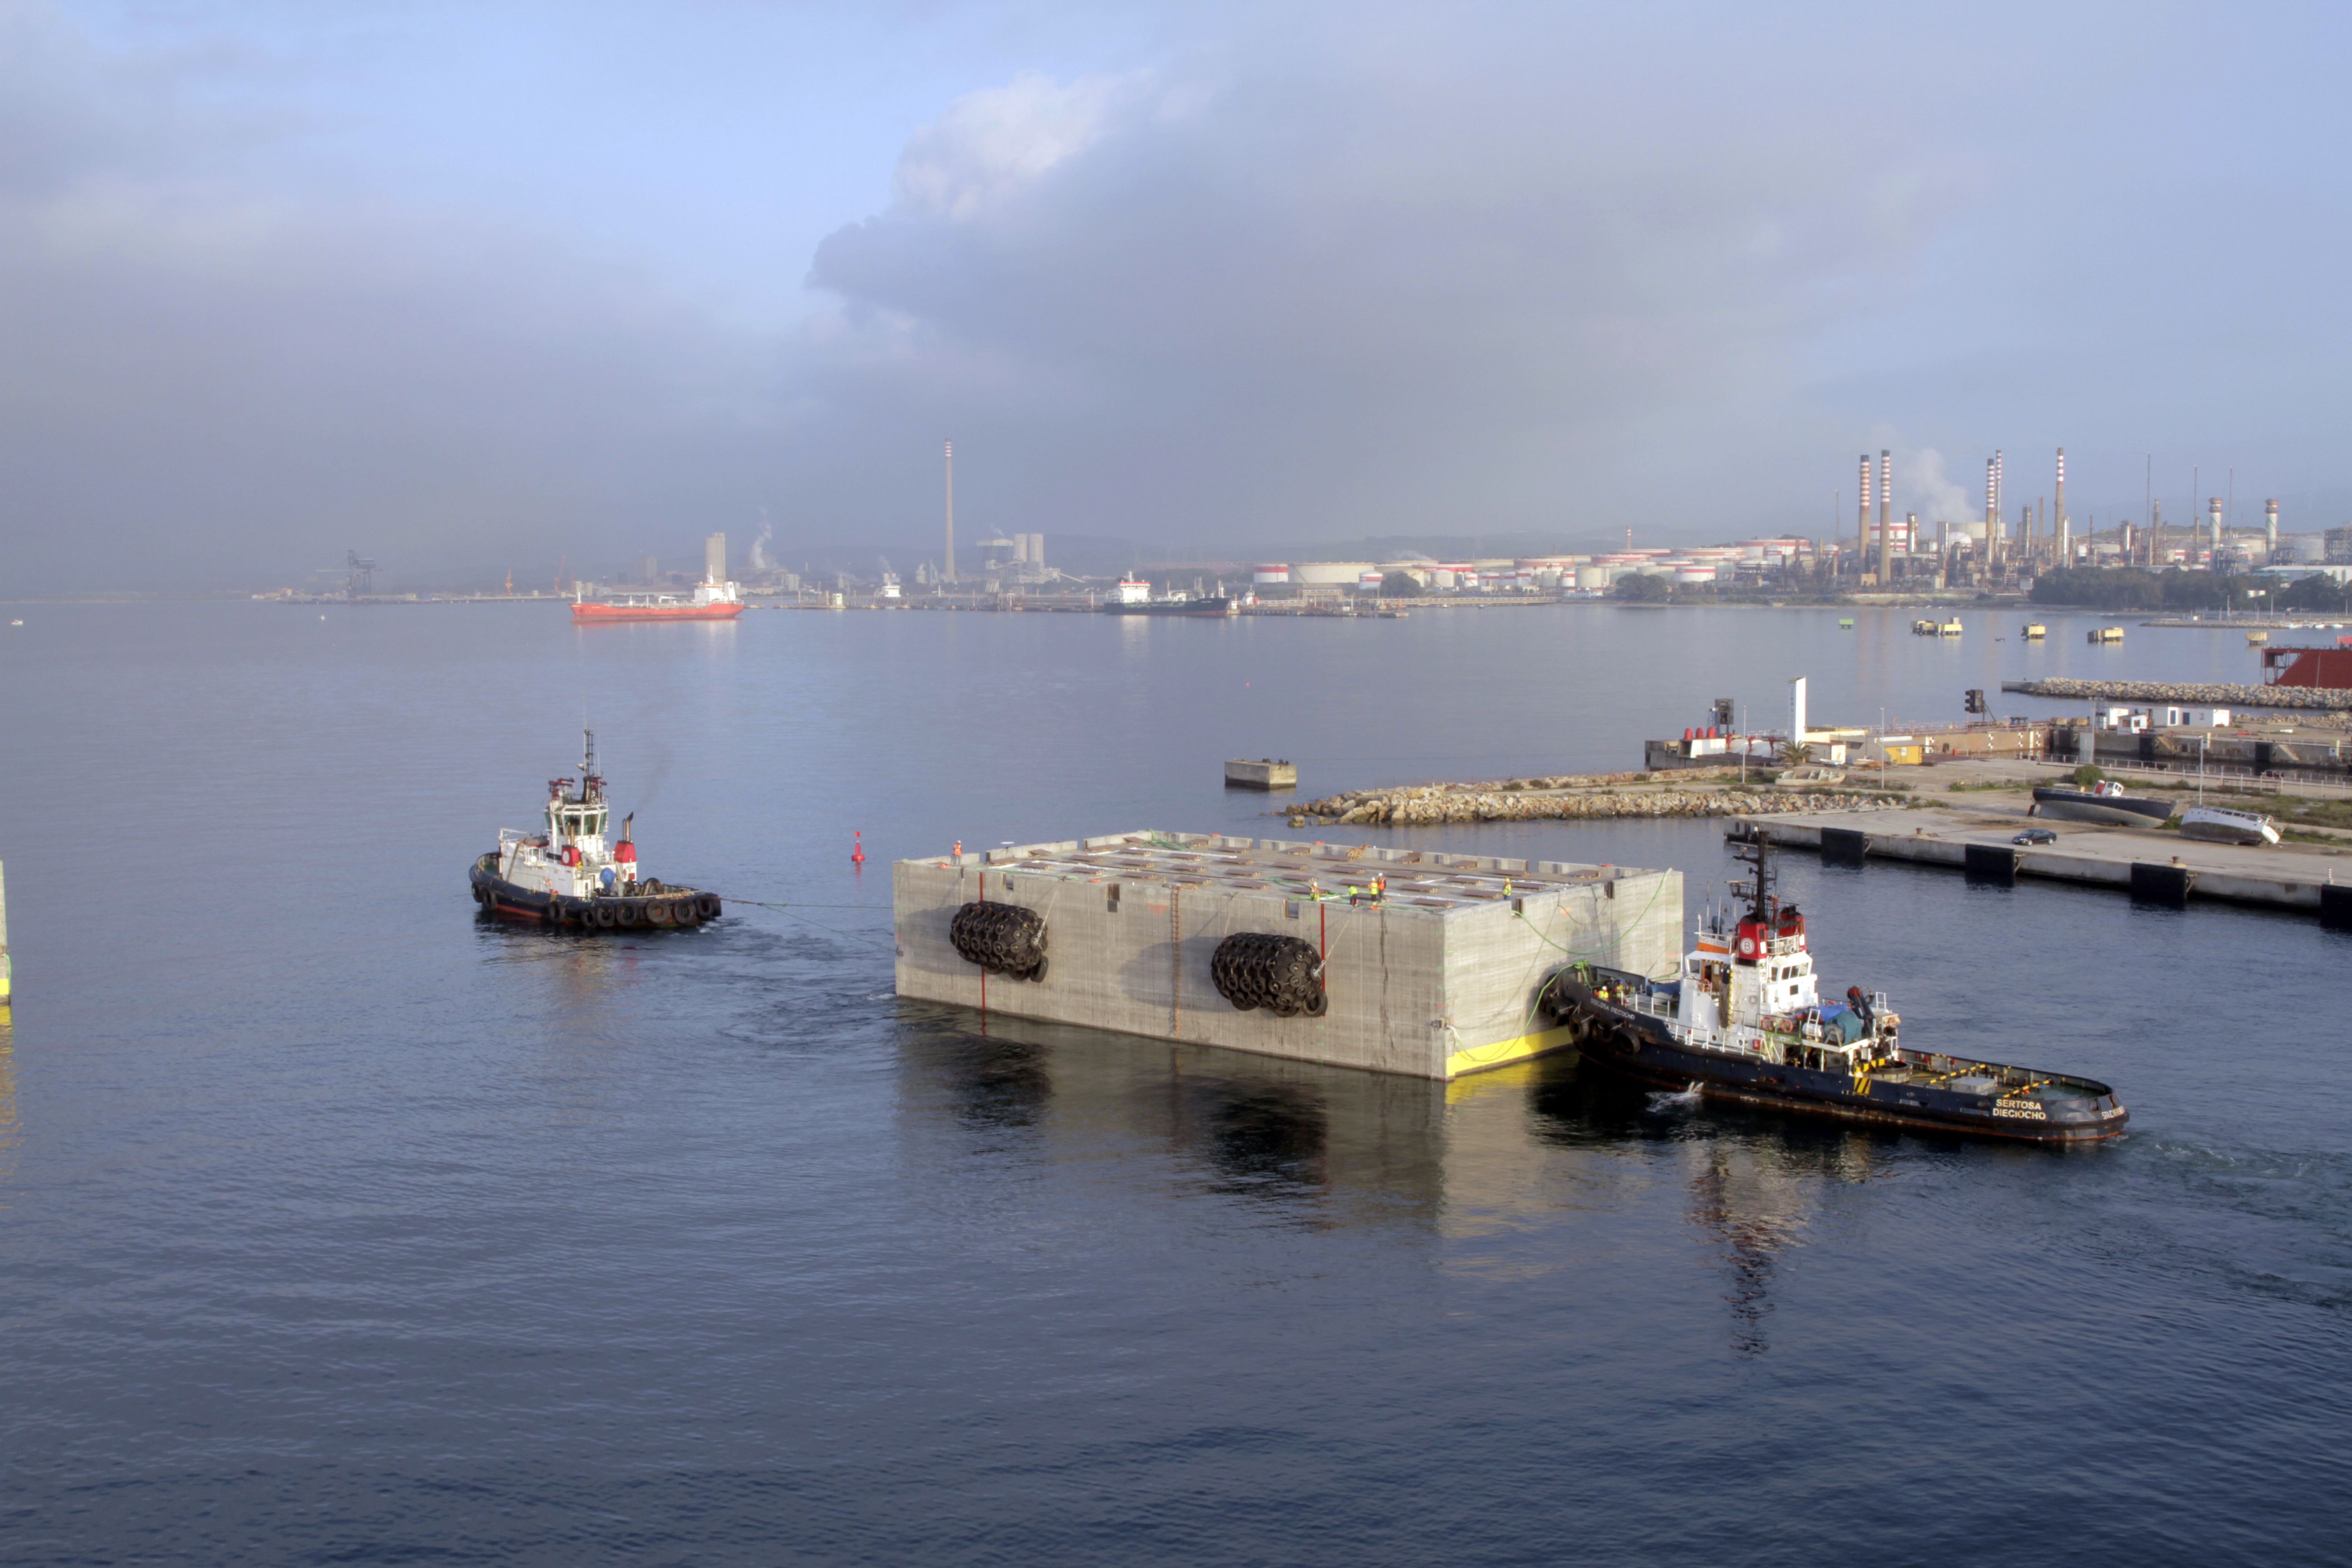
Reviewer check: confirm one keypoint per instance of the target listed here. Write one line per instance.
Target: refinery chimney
(2000, 480)
(1885, 517)
(2213, 512)
(1861, 520)
(2061, 523)
(1992, 513)
(951, 573)
(2270, 531)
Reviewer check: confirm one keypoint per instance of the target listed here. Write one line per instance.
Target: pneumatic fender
(1283, 974)
(1007, 939)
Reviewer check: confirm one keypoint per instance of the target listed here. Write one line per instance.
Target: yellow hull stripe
(1477, 1059)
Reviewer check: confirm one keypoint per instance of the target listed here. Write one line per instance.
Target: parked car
(2036, 836)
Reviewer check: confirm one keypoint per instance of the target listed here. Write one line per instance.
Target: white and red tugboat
(1745, 1020)
(566, 875)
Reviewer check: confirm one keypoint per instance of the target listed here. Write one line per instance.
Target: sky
(472, 288)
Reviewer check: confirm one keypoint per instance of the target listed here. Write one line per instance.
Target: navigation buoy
(857, 849)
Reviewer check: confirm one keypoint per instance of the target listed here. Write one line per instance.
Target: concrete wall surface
(1436, 977)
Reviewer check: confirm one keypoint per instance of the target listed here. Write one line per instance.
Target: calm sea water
(336, 1226)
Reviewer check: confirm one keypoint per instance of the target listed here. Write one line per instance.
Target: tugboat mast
(1757, 854)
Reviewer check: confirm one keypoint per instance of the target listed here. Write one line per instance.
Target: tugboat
(1744, 1020)
(564, 874)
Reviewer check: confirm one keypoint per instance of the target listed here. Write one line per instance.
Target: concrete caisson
(1435, 978)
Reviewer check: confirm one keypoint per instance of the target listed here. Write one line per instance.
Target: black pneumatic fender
(1005, 938)
(1284, 974)
(708, 906)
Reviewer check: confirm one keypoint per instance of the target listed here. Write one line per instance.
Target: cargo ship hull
(587, 611)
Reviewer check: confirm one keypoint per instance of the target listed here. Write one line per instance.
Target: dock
(1429, 964)
(2150, 864)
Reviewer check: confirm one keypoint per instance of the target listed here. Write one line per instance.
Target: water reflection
(8, 1129)
(1311, 1145)
(1753, 1180)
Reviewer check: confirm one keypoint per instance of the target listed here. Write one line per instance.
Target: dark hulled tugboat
(1744, 1021)
(566, 875)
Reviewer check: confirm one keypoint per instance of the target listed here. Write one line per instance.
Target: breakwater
(1540, 801)
(2220, 695)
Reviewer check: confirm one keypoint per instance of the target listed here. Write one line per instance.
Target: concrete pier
(1435, 978)
(1265, 773)
(2149, 864)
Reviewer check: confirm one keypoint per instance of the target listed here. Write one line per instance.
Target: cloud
(1258, 304)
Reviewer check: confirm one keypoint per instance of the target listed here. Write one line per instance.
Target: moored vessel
(567, 874)
(1743, 1020)
(1211, 607)
(2104, 802)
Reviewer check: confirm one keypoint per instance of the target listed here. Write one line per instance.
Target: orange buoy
(857, 849)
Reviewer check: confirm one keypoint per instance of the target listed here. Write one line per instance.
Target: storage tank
(1593, 577)
(1271, 574)
(1329, 573)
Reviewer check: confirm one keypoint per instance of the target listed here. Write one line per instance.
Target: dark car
(2036, 836)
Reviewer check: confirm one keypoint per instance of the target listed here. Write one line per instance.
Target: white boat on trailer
(567, 874)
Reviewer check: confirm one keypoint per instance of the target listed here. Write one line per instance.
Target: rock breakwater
(1434, 803)
(2217, 695)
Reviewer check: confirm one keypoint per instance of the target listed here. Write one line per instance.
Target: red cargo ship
(708, 602)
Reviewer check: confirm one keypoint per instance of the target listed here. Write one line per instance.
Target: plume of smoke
(759, 561)
(1926, 489)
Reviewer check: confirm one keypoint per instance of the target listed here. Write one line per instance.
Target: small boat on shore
(1743, 1020)
(2221, 825)
(565, 874)
(2105, 803)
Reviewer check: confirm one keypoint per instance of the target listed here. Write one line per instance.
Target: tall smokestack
(1861, 520)
(2000, 480)
(2064, 533)
(2270, 531)
(1992, 513)
(952, 572)
(2213, 511)
(1885, 517)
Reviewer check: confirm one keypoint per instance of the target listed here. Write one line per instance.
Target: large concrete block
(1436, 977)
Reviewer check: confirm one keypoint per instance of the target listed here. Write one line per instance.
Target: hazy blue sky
(481, 285)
